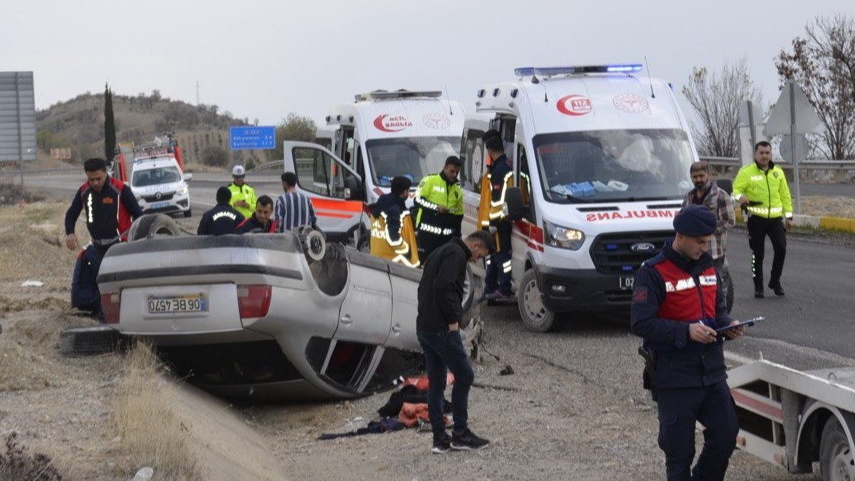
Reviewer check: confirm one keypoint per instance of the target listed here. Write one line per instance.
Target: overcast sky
(264, 59)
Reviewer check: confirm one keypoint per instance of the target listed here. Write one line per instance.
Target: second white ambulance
(601, 159)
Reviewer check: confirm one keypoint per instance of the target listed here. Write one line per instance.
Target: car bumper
(166, 206)
(566, 290)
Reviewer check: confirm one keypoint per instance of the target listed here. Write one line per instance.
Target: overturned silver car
(265, 316)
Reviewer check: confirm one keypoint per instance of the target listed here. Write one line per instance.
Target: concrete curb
(839, 224)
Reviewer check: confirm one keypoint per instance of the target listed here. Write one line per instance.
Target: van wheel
(836, 462)
(153, 224)
(535, 315)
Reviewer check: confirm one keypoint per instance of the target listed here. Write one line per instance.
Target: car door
(333, 187)
(366, 312)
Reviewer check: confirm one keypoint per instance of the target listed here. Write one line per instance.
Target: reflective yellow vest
(404, 251)
(768, 191)
(243, 192)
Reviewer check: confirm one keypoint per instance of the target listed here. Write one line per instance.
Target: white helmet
(238, 171)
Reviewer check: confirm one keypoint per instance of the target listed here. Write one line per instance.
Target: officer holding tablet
(677, 306)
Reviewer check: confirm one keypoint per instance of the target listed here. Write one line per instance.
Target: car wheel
(188, 213)
(534, 313)
(85, 341)
(153, 224)
(836, 462)
(472, 285)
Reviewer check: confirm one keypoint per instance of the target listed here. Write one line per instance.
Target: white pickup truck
(265, 316)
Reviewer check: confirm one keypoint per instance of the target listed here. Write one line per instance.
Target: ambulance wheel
(150, 225)
(534, 313)
(85, 341)
(836, 462)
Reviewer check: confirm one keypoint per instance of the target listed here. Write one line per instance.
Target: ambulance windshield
(413, 157)
(614, 165)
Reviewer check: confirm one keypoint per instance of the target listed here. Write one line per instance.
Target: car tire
(90, 340)
(472, 286)
(835, 454)
(153, 224)
(535, 315)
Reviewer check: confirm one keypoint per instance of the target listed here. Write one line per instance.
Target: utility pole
(197, 93)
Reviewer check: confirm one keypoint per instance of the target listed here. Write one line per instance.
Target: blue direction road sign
(246, 138)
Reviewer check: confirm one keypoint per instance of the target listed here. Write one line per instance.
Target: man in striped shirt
(293, 209)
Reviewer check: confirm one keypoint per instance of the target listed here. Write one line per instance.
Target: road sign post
(793, 115)
(252, 137)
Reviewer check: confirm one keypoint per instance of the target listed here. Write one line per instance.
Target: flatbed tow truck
(793, 419)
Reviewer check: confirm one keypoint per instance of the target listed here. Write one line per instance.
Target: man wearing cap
(676, 306)
(222, 218)
(440, 309)
(243, 195)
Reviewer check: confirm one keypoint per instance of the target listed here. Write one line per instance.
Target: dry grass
(151, 434)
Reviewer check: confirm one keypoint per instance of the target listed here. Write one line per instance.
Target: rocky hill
(201, 130)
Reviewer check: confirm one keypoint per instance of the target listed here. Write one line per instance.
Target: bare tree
(716, 98)
(823, 63)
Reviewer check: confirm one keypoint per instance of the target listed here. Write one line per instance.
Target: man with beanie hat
(676, 307)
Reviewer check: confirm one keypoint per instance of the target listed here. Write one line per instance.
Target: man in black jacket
(676, 307)
(222, 218)
(437, 327)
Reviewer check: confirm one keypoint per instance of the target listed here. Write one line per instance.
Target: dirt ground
(579, 417)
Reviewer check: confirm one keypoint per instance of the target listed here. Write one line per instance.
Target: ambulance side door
(334, 188)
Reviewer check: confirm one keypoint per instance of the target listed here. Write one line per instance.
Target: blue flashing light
(626, 268)
(577, 69)
(611, 247)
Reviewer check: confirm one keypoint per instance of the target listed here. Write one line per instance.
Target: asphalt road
(812, 326)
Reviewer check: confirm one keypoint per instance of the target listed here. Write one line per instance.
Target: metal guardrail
(807, 164)
(41, 172)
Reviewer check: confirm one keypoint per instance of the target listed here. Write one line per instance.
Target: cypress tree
(109, 125)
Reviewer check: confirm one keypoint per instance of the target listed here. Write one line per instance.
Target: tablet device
(747, 322)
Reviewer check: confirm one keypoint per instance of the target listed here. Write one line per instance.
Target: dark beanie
(695, 221)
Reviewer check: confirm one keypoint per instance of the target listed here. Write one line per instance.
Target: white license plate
(159, 205)
(188, 303)
(626, 282)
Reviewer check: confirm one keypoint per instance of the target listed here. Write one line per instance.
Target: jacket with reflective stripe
(243, 192)
(435, 191)
(398, 247)
(769, 189)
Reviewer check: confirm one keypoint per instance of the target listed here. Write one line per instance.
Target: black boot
(758, 288)
(776, 287)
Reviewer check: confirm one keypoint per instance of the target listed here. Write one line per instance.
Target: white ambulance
(379, 136)
(601, 161)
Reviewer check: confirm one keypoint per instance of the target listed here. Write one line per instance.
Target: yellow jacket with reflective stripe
(243, 192)
(768, 189)
(404, 251)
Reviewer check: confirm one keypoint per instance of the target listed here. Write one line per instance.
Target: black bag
(84, 286)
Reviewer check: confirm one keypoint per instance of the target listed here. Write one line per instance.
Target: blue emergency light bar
(577, 69)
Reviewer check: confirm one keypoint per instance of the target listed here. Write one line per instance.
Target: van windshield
(614, 165)
(413, 157)
(155, 176)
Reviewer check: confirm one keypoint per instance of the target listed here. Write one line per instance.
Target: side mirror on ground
(726, 185)
(514, 204)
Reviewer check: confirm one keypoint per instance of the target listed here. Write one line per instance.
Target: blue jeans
(679, 409)
(444, 349)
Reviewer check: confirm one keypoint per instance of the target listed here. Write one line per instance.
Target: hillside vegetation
(202, 131)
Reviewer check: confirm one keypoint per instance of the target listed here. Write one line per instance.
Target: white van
(159, 185)
(601, 159)
(379, 136)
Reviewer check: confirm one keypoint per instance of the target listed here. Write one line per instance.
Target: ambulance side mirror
(353, 188)
(725, 185)
(514, 204)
